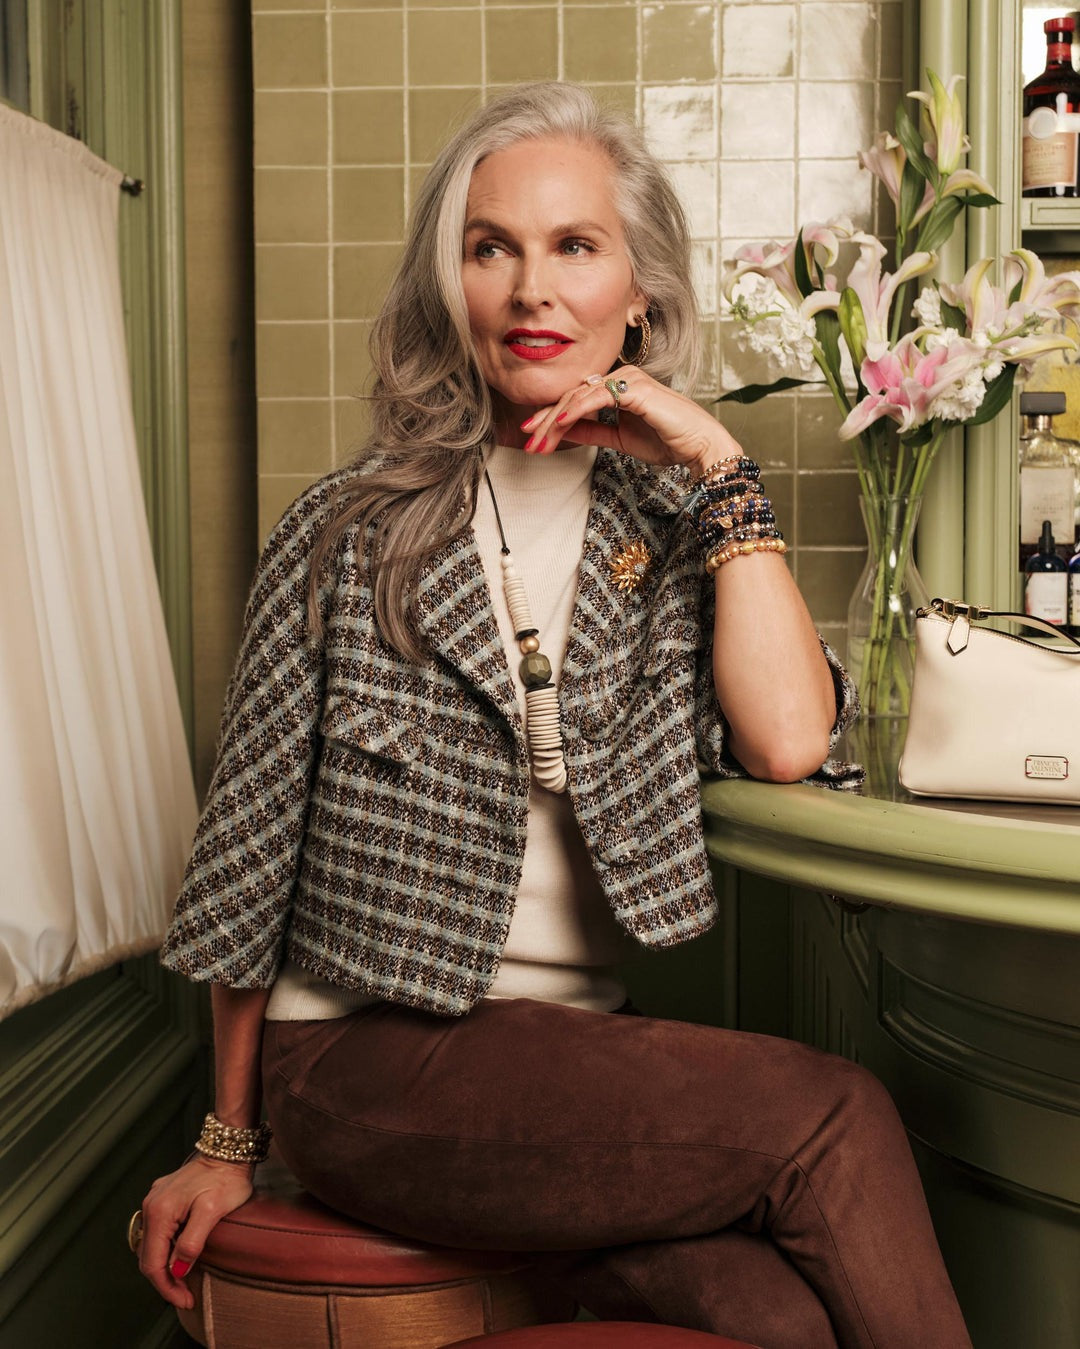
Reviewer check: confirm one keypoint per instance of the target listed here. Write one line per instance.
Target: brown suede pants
(706, 1178)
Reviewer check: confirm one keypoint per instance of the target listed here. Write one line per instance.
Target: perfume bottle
(1046, 582)
(1049, 476)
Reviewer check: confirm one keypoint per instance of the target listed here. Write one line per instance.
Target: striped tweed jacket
(368, 814)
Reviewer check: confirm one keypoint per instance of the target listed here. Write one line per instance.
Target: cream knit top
(563, 939)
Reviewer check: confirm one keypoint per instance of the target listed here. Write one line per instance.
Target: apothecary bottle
(1051, 146)
(1046, 582)
(1049, 476)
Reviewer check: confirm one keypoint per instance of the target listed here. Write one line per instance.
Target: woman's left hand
(656, 424)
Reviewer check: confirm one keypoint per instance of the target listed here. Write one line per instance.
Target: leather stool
(285, 1272)
(602, 1335)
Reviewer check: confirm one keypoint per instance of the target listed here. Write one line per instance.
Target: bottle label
(1049, 161)
(1074, 599)
(1045, 596)
(1047, 494)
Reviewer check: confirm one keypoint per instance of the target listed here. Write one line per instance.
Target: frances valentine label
(1046, 766)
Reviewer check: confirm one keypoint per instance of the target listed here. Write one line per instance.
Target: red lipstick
(536, 344)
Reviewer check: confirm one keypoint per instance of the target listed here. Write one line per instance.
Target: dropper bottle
(1046, 592)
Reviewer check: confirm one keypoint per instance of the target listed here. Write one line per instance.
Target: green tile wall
(757, 108)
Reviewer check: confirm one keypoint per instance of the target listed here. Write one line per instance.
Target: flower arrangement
(902, 372)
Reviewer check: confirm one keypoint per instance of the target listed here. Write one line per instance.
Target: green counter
(939, 944)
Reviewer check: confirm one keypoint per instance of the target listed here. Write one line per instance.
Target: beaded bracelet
(774, 545)
(732, 514)
(714, 470)
(228, 1143)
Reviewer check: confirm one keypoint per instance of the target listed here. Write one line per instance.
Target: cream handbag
(993, 717)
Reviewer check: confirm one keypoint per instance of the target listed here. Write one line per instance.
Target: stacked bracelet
(732, 514)
(227, 1143)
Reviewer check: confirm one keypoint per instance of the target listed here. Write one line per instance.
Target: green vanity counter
(939, 944)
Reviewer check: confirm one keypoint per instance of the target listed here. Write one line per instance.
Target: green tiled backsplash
(757, 107)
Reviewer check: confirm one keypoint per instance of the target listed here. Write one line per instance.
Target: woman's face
(547, 277)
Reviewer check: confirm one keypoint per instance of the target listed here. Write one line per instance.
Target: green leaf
(922, 436)
(752, 393)
(802, 271)
(998, 393)
(853, 325)
(912, 191)
(938, 225)
(980, 199)
(1014, 294)
(952, 316)
(909, 136)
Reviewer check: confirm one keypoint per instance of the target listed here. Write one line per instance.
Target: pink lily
(900, 384)
(943, 118)
(965, 180)
(886, 162)
(1038, 292)
(875, 291)
(777, 261)
(983, 304)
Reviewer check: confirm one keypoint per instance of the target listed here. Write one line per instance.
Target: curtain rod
(132, 186)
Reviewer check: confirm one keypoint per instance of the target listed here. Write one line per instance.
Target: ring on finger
(135, 1231)
(615, 387)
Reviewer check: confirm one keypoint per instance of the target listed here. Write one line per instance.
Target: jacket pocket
(372, 728)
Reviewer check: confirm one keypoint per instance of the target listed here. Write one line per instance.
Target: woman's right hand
(178, 1215)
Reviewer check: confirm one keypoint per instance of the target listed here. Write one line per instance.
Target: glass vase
(881, 615)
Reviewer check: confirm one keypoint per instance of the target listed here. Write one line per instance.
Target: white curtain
(96, 801)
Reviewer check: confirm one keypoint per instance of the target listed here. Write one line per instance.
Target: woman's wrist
(230, 1143)
(713, 464)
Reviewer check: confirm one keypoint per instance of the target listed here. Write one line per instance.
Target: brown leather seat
(285, 1272)
(601, 1335)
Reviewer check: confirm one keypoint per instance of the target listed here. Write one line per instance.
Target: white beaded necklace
(541, 700)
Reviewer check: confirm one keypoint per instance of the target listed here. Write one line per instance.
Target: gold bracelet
(716, 560)
(227, 1143)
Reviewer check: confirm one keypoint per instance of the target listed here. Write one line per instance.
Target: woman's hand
(179, 1213)
(656, 424)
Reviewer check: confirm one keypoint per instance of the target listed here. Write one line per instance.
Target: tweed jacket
(368, 814)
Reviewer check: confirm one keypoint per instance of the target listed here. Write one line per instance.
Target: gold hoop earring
(638, 357)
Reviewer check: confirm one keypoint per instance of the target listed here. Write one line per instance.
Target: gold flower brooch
(629, 565)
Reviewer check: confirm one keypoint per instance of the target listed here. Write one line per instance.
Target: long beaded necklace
(541, 701)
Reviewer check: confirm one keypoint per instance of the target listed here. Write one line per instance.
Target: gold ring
(135, 1231)
(615, 387)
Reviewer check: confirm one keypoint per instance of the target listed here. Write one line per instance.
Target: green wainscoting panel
(939, 946)
(942, 47)
(994, 86)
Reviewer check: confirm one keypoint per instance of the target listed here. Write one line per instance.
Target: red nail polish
(528, 443)
(179, 1268)
(540, 447)
(561, 417)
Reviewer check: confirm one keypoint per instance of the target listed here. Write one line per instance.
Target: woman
(419, 864)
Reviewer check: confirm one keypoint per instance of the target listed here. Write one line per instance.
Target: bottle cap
(1050, 404)
(1066, 24)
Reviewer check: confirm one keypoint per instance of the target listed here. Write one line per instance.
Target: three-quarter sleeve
(233, 907)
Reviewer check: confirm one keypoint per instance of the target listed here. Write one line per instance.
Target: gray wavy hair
(417, 474)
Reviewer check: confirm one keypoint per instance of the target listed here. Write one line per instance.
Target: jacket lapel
(631, 504)
(456, 619)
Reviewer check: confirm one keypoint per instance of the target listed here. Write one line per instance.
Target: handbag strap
(965, 614)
